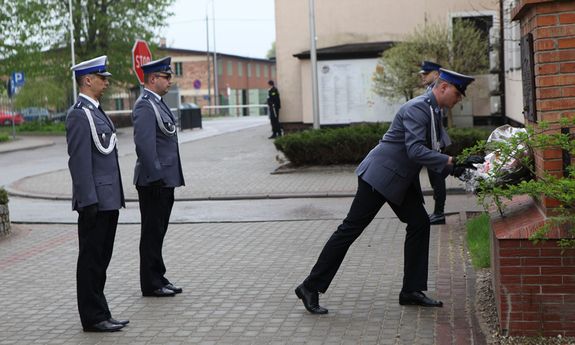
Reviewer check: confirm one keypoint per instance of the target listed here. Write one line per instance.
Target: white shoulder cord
(113, 139)
(160, 122)
(435, 145)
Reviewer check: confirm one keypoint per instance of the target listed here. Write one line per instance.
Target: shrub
(345, 145)
(42, 126)
(463, 138)
(349, 145)
(3, 196)
(4, 137)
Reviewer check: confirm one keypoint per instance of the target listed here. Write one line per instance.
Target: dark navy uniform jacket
(95, 176)
(393, 166)
(158, 153)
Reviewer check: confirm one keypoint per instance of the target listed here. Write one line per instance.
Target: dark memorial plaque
(528, 74)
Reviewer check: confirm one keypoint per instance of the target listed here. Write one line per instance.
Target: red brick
(546, 44)
(524, 325)
(564, 18)
(540, 261)
(555, 80)
(549, 92)
(548, 68)
(564, 43)
(569, 280)
(552, 271)
(557, 6)
(509, 243)
(555, 252)
(547, 20)
(509, 261)
(560, 289)
(506, 279)
(555, 56)
(568, 91)
(552, 153)
(519, 252)
(567, 67)
(542, 280)
(554, 31)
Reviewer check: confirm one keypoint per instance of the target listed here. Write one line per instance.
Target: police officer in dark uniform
(429, 74)
(158, 171)
(390, 174)
(97, 192)
(274, 105)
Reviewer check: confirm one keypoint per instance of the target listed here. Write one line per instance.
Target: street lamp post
(313, 60)
(216, 69)
(208, 60)
(72, 50)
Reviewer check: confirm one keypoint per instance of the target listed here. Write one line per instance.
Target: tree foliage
(462, 49)
(36, 37)
(495, 190)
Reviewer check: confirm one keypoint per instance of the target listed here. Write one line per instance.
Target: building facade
(343, 22)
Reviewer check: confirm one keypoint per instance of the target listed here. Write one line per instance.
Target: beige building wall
(349, 21)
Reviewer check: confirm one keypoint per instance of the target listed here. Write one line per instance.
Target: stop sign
(141, 55)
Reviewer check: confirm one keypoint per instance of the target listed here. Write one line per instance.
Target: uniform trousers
(96, 233)
(364, 208)
(437, 181)
(155, 209)
(274, 119)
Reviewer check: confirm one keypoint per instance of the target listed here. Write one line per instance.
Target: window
(220, 67)
(240, 69)
(266, 71)
(249, 70)
(274, 72)
(230, 68)
(258, 72)
(178, 68)
(119, 103)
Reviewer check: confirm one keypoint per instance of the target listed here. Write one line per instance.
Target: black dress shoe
(176, 289)
(118, 322)
(103, 326)
(310, 300)
(418, 298)
(273, 137)
(436, 218)
(161, 292)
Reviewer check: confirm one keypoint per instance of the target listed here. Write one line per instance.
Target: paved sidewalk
(239, 272)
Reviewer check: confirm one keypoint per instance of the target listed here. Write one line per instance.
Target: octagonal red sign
(141, 55)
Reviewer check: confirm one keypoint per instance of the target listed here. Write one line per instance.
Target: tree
(271, 54)
(463, 50)
(36, 36)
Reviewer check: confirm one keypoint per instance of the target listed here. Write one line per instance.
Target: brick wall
(552, 24)
(534, 284)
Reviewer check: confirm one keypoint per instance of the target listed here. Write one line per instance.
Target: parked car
(6, 119)
(34, 114)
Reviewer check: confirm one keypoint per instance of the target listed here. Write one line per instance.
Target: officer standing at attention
(429, 74)
(158, 171)
(274, 105)
(390, 173)
(97, 192)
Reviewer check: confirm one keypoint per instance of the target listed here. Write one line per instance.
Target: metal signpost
(141, 55)
(15, 83)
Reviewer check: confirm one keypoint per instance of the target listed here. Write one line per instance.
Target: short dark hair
(271, 82)
(80, 79)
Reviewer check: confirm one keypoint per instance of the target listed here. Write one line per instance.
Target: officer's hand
(458, 170)
(90, 210)
(473, 159)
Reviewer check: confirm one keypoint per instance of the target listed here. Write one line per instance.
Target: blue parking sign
(18, 79)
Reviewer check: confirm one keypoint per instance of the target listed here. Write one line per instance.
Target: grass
(35, 127)
(478, 240)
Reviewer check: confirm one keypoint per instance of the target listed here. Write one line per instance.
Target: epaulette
(146, 96)
(78, 105)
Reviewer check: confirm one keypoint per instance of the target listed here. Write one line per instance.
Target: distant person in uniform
(390, 174)
(429, 74)
(158, 171)
(97, 192)
(274, 106)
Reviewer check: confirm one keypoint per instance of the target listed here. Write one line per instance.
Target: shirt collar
(93, 101)
(158, 97)
(430, 99)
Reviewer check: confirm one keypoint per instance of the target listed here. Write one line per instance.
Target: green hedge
(4, 137)
(349, 145)
(42, 126)
(3, 196)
